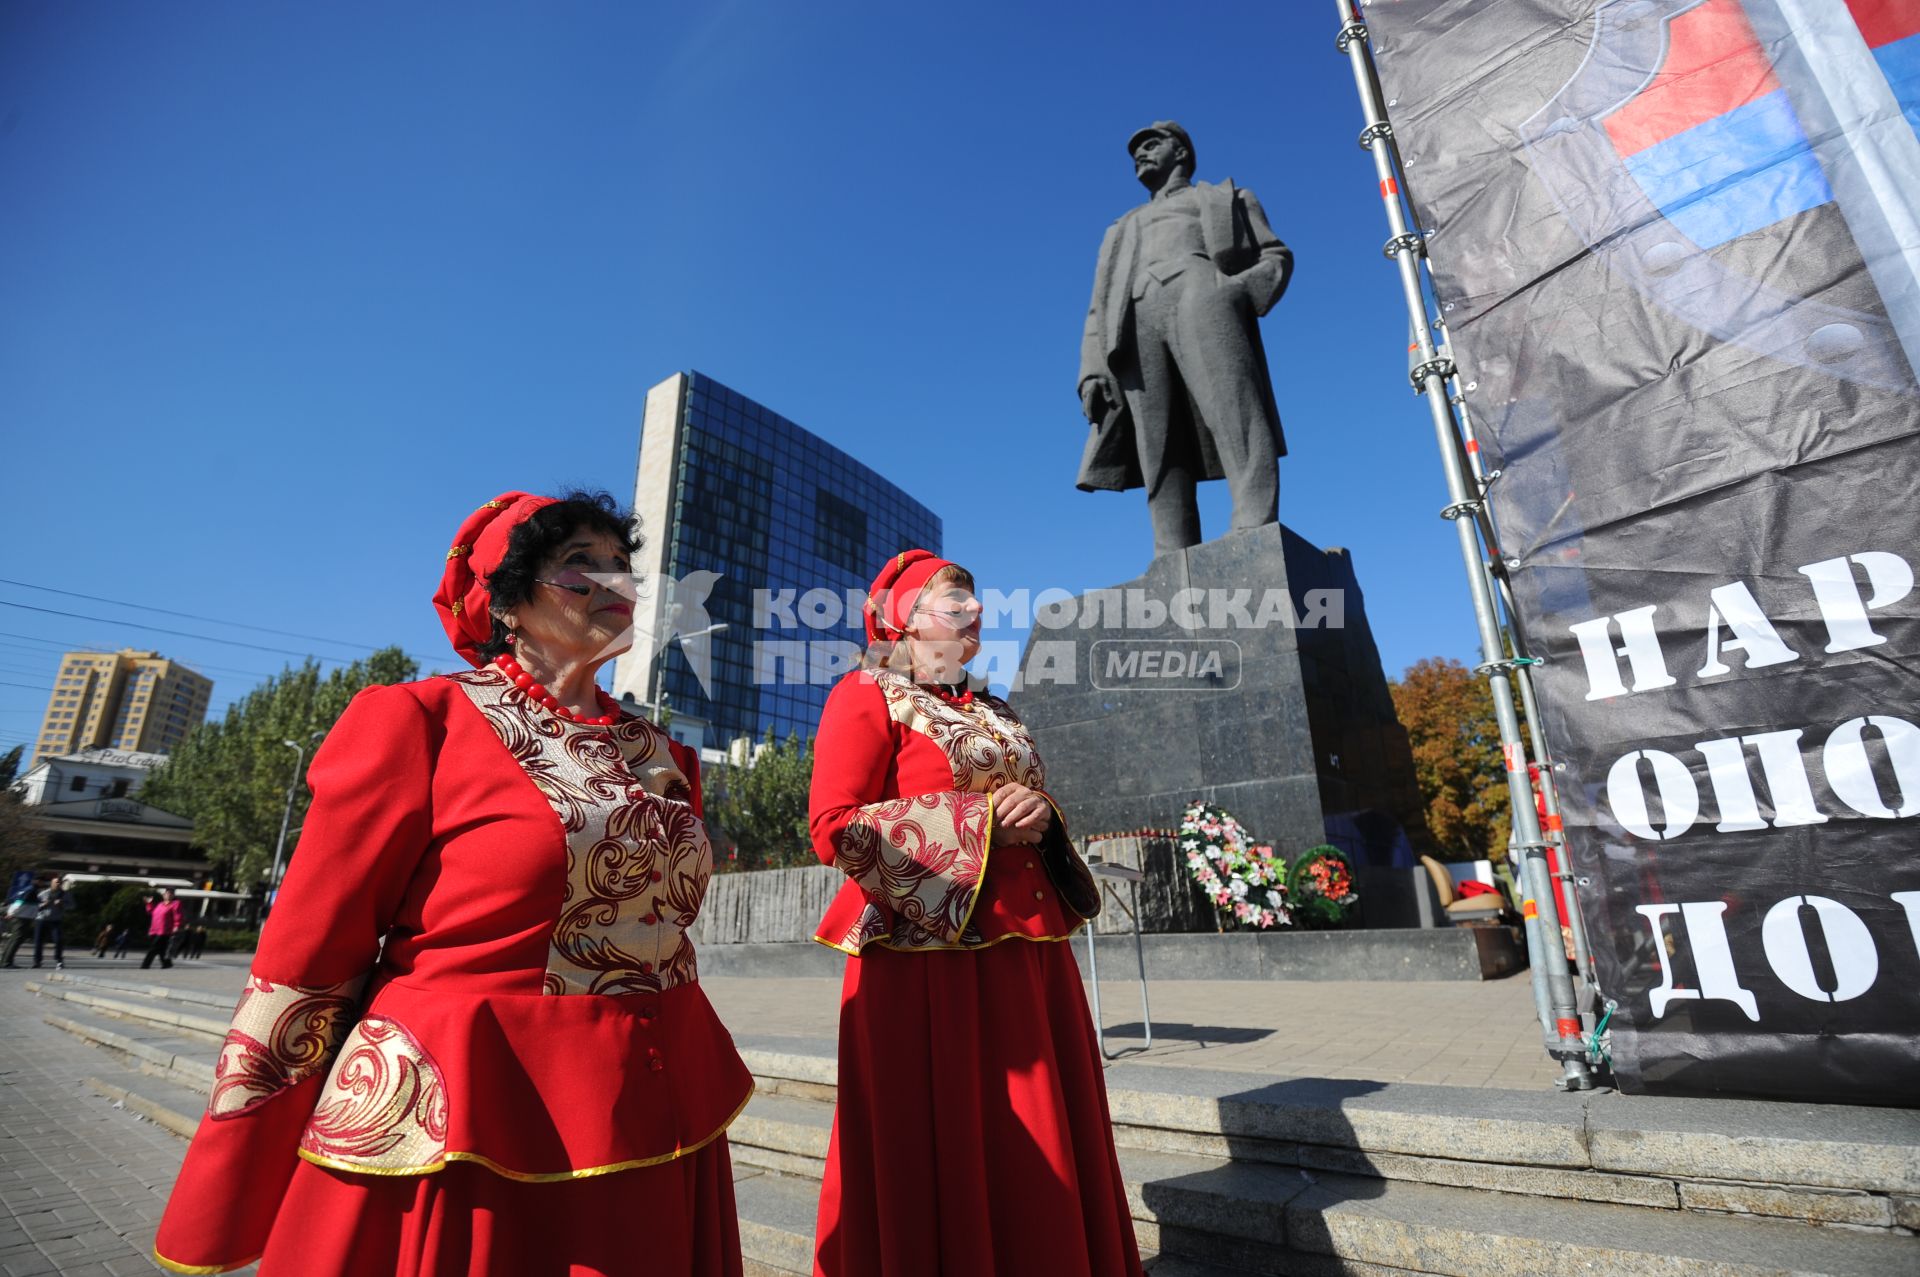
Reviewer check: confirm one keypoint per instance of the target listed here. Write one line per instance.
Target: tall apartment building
(127, 700)
(727, 486)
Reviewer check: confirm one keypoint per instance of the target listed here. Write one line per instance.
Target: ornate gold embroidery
(281, 1034)
(638, 859)
(459, 550)
(987, 746)
(384, 1105)
(985, 742)
(923, 857)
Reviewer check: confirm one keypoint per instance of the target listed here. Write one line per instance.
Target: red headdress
(891, 598)
(463, 601)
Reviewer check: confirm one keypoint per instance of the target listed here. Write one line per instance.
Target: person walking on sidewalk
(55, 900)
(971, 1134)
(101, 941)
(121, 939)
(20, 917)
(163, 919)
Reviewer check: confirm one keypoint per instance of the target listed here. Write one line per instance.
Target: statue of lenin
(1172, 372)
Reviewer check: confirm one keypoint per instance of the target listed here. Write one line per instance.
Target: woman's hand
(1020, 815)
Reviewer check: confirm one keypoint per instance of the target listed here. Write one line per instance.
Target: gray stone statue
(1172, 372)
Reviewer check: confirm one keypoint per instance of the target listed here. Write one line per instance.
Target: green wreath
(1321, 887)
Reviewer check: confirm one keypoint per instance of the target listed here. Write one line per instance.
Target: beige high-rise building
(129, 700)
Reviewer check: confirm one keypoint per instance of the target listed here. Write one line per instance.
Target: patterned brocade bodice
(903, 803)
(469, 859)
(638, 859)
(984, 743)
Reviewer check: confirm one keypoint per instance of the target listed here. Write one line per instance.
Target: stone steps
(217, 1004)
(1316, 1176)
(152, 1010)
(164, 1103)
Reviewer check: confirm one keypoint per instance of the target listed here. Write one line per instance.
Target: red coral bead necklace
(546, 700)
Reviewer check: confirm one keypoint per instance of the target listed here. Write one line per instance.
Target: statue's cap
(1163, 128)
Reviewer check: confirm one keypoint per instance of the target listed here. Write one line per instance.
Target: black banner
(1676, 245)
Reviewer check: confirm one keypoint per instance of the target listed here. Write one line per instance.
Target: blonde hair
(897, 654)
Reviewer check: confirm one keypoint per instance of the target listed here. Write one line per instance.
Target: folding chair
(1107, 874)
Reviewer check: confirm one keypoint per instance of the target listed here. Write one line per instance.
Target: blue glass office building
(727, 486)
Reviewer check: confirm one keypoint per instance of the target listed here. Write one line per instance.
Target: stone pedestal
(1241, 672)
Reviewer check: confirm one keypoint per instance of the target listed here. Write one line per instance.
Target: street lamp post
(286, 814)
(655, 668)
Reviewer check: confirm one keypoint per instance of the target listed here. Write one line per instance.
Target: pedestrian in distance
(121, 938)
(101, 941)
(55, 900)
(163, 920)
(197, 943)
(21, 914)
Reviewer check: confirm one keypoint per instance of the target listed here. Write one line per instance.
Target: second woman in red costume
(971, 1134)
(473, 1039)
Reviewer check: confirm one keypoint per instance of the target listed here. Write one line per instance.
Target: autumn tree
(1450, 723)
(230, 777)
(22, 843)
(761, 808)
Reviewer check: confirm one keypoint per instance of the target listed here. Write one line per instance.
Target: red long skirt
(671, 1220)
(971, 1134)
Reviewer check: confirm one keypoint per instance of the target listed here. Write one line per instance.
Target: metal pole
(1524, 660)
(286, 817)
(1564, 1035)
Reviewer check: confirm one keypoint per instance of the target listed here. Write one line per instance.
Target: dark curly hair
(511, 584)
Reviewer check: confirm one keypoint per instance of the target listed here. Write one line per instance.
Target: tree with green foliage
(230, 777)
(761, 809)
(1448, 714)
(22, 842)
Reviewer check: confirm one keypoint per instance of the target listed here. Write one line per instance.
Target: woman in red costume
(971, 1134)
(473, 1039)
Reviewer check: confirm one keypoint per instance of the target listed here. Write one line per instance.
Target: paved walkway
(83, 1182)
(1449, 1034)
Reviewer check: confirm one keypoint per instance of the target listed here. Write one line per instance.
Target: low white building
(87, 775)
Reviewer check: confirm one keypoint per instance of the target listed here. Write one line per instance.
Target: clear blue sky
(289, 289)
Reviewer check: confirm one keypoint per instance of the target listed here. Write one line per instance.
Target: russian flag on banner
(1712, 139)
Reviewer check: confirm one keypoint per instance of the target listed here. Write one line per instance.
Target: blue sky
(289, 289)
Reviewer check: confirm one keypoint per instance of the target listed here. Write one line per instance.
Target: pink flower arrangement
(1242, 879)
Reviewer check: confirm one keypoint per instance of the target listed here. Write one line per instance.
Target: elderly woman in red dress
(473, 1039)
(971, 1134)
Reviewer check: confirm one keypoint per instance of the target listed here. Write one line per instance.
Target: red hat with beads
(893, 593)
(463, 601)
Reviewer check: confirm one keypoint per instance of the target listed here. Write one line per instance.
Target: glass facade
(794, 527)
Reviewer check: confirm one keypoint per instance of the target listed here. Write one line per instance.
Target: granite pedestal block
(1240, 671)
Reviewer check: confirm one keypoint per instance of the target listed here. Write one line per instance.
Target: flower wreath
(1242, 879)
(1322, 884)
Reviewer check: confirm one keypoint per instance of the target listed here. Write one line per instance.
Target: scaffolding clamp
(1374, 132)
(1412, 242)
(1349, 33)
(1439, 366)
(1511, 663)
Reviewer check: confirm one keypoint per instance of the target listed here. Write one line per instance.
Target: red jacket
(902, 802)
(163, 918)
(480, 954)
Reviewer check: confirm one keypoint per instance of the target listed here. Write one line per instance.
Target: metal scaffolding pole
(1560, 1017)
(1498, 567)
